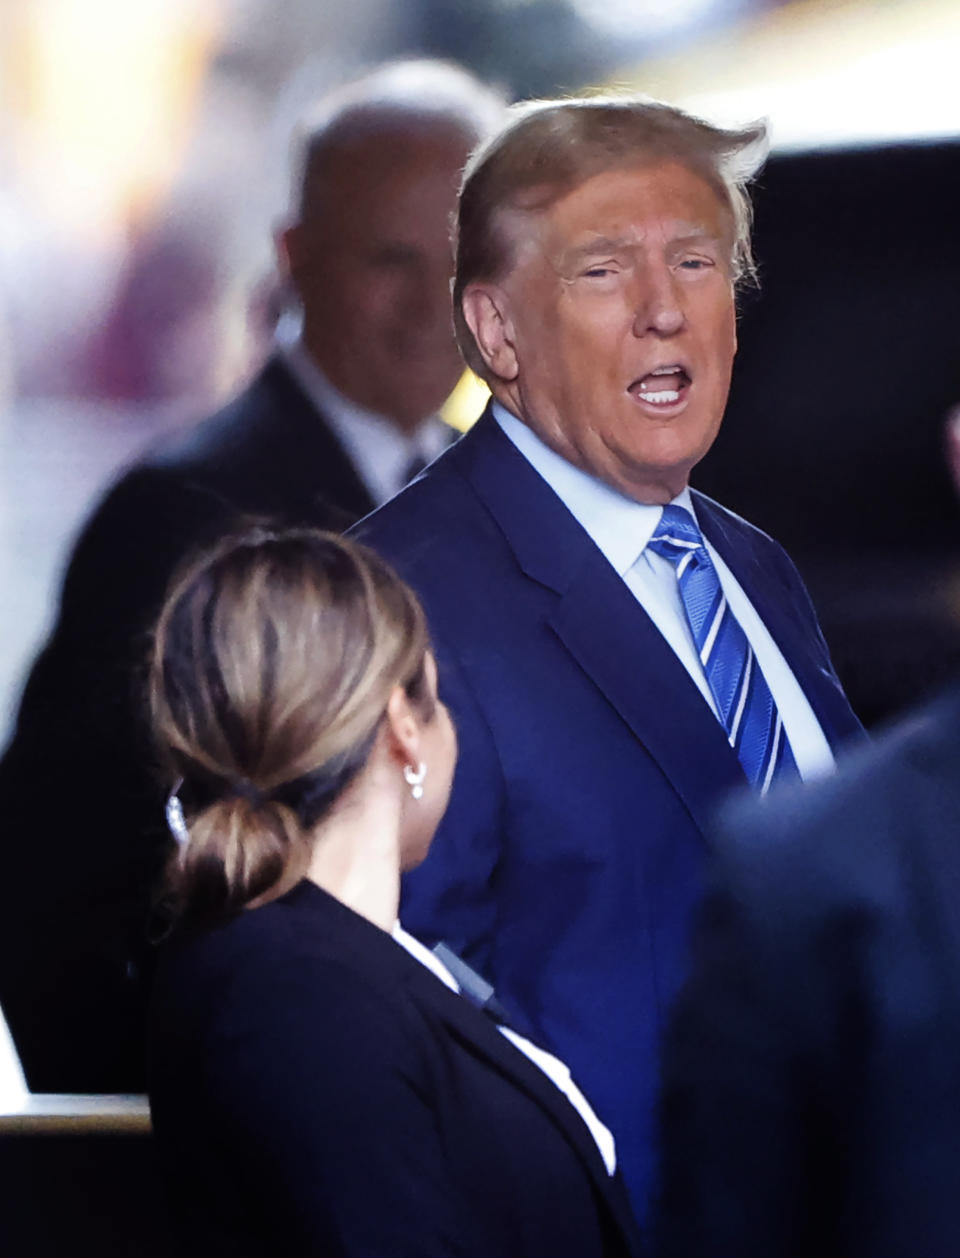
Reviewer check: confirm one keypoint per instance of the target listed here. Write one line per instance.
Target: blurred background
(144, 152)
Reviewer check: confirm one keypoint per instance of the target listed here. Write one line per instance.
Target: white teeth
(666, 371)
(664, 395)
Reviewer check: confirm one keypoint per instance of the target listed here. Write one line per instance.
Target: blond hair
(274, 658)
(549, 147)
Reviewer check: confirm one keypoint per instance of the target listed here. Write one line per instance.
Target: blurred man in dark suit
(811, 1098)
(618, 651)
(337, 421)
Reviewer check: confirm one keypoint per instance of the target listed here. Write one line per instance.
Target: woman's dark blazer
(315, 1089)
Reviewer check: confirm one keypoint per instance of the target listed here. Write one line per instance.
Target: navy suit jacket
(811, 1098)
(316, 1090)
(570, 859)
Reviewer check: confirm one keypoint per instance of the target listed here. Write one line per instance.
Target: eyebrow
(692, 234)
(597, 245)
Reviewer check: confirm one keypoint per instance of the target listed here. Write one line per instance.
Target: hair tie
(246, 790)
(176, 822)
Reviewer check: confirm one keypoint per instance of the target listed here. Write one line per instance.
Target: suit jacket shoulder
(851, 839)
(810, 1094)
(267, 452)
(324, 1048)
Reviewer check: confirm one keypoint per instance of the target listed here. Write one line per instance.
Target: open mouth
(662, 388)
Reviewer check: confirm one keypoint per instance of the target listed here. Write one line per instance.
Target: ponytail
(237, 852)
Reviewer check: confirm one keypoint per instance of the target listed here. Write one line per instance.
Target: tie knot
(676, 535)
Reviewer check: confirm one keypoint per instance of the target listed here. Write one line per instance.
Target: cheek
(719, 338)
(599, 333)
(725, 321)
(368, 298)
(573, 349)
(730, 336)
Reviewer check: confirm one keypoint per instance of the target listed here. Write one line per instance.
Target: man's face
(372, 267)
(618, 325)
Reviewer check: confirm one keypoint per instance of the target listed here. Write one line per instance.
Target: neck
(356, 852)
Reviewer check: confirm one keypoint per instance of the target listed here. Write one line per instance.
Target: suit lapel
(314, 455)
(601, 624)
(617, 644)
(481, 1036)
(373, 952)
(788, 625)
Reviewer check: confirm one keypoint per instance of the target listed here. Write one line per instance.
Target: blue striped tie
(740, 691)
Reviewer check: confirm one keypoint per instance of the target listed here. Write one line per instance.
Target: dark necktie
(745, 705)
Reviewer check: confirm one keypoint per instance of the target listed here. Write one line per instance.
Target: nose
(659, 306)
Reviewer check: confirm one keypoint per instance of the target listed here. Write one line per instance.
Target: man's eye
(598, 272)
(695, 264)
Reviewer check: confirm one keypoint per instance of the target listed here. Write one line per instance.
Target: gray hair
(409, 98)
(547, 148)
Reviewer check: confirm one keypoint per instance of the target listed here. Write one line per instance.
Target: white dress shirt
(621, 528)
(379, 451)
(13, 1086)
(552, 1067)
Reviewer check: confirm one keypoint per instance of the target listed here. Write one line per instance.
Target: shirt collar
(619, 526)
(379, 451)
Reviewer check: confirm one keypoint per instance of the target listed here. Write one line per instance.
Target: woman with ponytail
(320, 1082)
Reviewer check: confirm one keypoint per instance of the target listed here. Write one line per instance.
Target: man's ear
(486, 310)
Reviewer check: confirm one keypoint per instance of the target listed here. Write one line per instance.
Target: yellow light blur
(464, 405)
(102, 97)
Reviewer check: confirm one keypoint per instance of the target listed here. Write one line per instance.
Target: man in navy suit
(609, 687)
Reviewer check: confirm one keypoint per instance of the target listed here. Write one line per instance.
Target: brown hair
(549, 147)
(274, 658)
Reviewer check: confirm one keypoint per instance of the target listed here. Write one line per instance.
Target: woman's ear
(486, 310)
(402, 728)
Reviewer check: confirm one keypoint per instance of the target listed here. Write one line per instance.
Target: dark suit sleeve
(730, 1170)
(452, 895)
(327, 1096)
(758, 1058)
(83, 833)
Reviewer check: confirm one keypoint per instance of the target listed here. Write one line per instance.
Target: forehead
(391, 174)
(663, 199)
